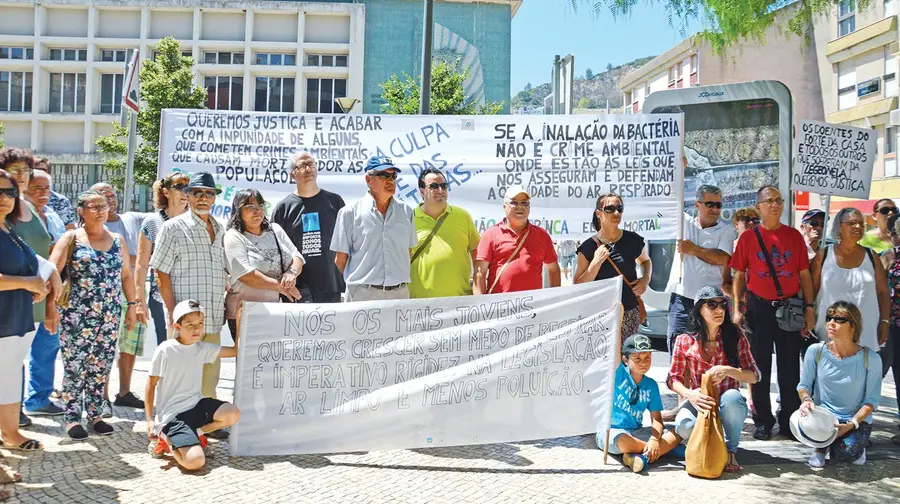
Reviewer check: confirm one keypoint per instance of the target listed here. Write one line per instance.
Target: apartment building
(62, 61)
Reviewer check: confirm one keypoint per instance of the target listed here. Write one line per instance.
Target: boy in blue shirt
(633, 394)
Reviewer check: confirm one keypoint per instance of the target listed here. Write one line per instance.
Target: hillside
(600, 87)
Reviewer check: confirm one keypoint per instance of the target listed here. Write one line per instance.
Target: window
(113, 55)
(276, 59)
(320, 95)
(224, 93)
(111, 93)
(693, 63)
(16, 53)
(326, 60)
(67, 92)
(274, 94)
(890, 8)
(224, 58)
(868, 87)
(68, 54)
(184, 54)
(846, 17)
(846, 85)
(15, 91)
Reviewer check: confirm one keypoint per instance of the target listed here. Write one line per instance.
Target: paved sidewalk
(117, 469)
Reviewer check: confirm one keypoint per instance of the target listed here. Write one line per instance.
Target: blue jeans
(732, 411)
(41, 369)
(159, 319)
(679, 309)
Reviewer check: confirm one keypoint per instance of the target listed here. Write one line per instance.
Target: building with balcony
(62, 61)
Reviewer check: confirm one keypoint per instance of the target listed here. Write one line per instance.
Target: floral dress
(89, 327)
(894, 287)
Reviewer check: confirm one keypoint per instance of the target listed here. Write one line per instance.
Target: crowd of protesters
(73, 281)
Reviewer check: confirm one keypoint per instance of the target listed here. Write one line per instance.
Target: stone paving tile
(566, 470)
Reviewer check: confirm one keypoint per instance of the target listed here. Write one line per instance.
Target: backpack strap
(871, 256)
(866, 358)
(819, 353)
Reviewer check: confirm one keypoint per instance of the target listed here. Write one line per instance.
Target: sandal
(8, 476)
(29, 445)
(732, 466)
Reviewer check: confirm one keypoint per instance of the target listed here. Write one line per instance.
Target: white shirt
(696, 273)
(180, 371)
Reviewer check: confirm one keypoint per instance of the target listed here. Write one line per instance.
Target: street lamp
(346, 104)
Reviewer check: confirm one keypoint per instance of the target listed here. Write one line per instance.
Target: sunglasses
(712, 204)
(839, 320)
(203, 194)
(392, 175)
(714, 304)
(10, 192)
(887, 210)
(517, 204)
(179, 187)
(613, 209)
(435, 186)
(815, 223)
(773, 201)
(750, 220)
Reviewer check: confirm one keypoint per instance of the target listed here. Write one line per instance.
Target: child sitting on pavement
(183, 413)
(633, 394)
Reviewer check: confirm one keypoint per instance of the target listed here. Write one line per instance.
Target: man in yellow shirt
(442, 262)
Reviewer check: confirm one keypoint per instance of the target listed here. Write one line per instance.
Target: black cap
(636, 343)
(203, 180)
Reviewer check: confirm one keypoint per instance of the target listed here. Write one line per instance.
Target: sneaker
(816, 460)
(861, 460)
(762, 433)
(24, 421)
(77, 433)
(129, 400)
(159, 448)
(102, 428)
(218, 434)
(635, 462)
(106, 410)
(49, 410)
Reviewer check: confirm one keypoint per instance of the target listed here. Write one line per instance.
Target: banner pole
(825, 222)
(612, 375)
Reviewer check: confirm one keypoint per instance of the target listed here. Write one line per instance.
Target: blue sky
(543, 28)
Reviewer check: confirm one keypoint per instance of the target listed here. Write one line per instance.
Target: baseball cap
(811, 214)
(515, 190)
(185, 307)
(379, 163)
(636, 343)
(709, 292)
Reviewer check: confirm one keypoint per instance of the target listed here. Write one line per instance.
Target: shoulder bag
(511, 258)
(789, 313)
(427, 240)
(706, 455)
(642, 309)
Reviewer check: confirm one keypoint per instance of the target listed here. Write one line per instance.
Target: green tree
(728, 22)
(587, 103)
(528, 87)
(447, 94)
(167, 82)
(588, 74)
(2, 131)
(609, 67)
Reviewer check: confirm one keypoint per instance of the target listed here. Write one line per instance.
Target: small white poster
(834, 159)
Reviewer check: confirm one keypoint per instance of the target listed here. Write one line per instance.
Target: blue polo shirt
(15, 305)
(629, 416)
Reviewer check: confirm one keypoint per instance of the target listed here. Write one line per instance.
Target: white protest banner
(426, 372)
(564, 161)
(834, 159)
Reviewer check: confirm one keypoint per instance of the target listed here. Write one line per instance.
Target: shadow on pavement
(505, 453)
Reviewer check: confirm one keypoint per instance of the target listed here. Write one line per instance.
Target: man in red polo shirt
(511, 255)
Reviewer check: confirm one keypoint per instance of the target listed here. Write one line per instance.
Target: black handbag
(790, 312)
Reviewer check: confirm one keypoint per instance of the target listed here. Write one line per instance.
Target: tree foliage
(447, 94)
(586, 102)
(728, 22)
(588, 74)
(2, 131)
(167, 82)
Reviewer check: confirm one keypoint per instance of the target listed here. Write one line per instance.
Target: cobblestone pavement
(117, 469)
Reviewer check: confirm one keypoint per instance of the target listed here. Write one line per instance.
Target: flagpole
(132, 103)
(129, 166)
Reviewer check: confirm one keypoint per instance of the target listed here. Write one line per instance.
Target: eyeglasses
(887, 210)
(715, 304)
(255, 208)
(96, 208)
(203, 194)
(613, 209)
(749, 220)
(10, 192)
(392, 175)
(839, 320)
(19, 171)
(309, 166)
(517, 204)
(773, 201)
(712, 204)
(853, 223)
(435, 186)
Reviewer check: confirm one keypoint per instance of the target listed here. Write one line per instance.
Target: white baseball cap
(515, 190)
(184, 308)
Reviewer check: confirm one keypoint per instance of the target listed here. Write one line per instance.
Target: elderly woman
(262, 261)
(718, 348)
(613, 252)
(843, 377)
(96, 262)
(850, 272)
(170, 200)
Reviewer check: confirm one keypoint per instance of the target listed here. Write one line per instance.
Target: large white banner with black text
(426, 372)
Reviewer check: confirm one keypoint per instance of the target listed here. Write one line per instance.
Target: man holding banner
(512, 254)
(441, 266)
(374, 238)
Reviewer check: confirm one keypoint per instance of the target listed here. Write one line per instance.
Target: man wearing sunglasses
(441, 265)
(811, 225)
(189, 260)
(879, 239)
(375, 237)
(706, 250)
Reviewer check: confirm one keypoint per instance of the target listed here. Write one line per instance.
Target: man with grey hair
(705, 251)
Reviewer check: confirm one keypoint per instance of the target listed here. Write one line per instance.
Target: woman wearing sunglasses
(613, 252)
(170, 200)
(718, 348)
(850, 272)
(843, 377)
(879, 239)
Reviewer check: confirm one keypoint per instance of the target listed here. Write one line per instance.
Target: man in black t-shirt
(308, 217)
